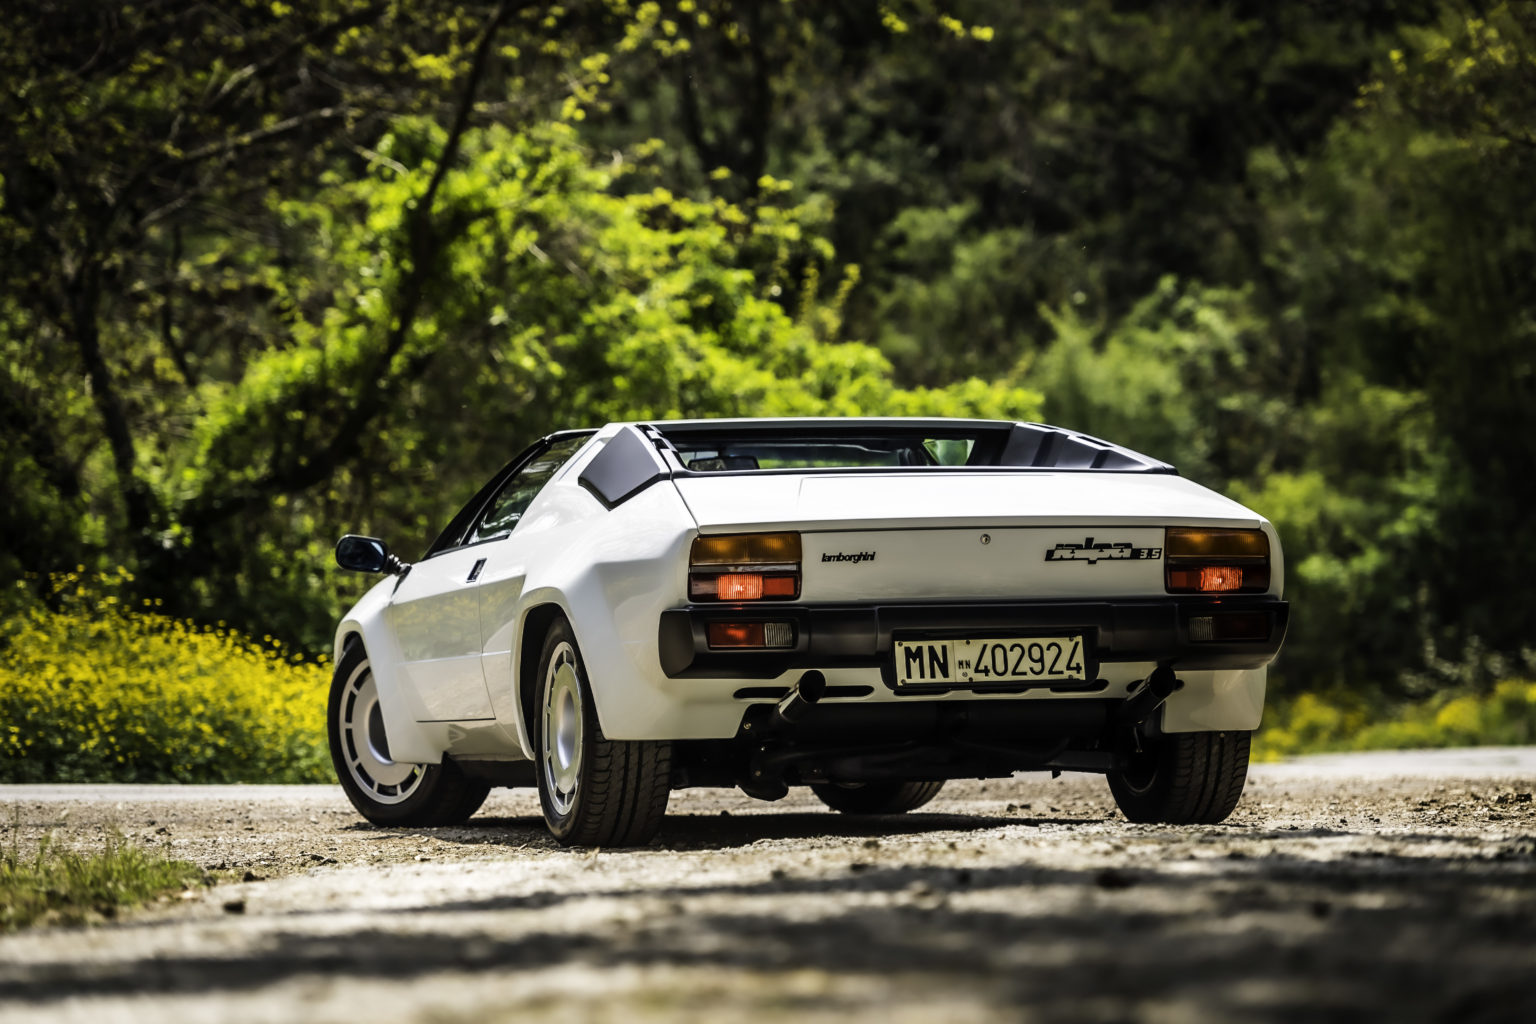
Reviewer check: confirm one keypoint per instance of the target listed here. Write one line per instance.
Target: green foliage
(278, 272)
(1312, 723)
(1183, 375)
(93, 689)
(64, 887)
(554, 300)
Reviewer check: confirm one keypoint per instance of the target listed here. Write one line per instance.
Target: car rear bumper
(1162, 630)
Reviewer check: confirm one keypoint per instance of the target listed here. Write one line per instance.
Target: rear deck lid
(939, 498)
(945, 535)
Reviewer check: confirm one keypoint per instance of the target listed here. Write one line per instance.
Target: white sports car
(865, 606)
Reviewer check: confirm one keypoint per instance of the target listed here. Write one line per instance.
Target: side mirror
(367, 554)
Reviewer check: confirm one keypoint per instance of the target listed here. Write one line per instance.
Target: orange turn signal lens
(746, 549)
(1222, 545)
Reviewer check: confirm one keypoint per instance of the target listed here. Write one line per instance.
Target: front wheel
(386, 791)
(594, 791)
(887, 796)
(1186, 778)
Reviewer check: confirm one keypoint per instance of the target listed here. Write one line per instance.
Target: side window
(509, 503)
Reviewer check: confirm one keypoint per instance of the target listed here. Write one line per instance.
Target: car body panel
(976, 563)
(435, 615)
(446, 651)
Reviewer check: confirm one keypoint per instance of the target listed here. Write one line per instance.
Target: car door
(436, 608)
(436, 617)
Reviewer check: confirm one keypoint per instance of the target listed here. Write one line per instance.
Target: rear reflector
(778, 634)
(751, 634)
(1229, 626)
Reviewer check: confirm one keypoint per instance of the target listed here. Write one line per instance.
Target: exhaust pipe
(810, 689)
(1139, 706)
(765, 779)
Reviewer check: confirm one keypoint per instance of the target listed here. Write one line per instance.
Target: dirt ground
(1395, 887)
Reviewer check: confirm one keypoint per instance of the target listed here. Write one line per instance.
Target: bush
(1312, 723)
(94, 691)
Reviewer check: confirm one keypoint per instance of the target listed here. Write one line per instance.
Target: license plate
(1015, 660)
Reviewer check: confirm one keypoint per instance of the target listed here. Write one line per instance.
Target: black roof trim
(627, 465)
(820, 426)
(1037, 446)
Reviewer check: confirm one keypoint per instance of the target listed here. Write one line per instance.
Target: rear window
(789, 445)
(724, 455)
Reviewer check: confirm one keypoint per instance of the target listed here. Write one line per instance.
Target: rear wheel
(386, 791)
(887, 796)
(1188, 778)
(594, 791)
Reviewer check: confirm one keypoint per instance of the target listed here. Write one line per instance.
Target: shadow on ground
(1427, 936)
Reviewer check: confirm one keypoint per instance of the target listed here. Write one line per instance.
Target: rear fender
(611, 583)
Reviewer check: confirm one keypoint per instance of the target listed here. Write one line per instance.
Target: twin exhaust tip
(1139, 706)
(806, 693)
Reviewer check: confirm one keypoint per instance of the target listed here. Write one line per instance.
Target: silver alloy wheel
(366, 748)
(562, 729)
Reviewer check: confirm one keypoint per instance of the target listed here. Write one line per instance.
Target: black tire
(1188, 778)
(886, 796)
(594, 791)
(384, 791)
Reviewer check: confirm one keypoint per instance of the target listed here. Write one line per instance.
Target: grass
(56, 886)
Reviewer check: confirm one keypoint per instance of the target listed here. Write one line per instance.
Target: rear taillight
(1216, 561)
(745, 567)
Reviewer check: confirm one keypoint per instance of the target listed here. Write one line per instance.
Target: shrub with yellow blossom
(93, 689)
(1311, 723)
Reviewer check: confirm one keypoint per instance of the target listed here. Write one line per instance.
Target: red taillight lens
(1217, 561)
(781, 586)
(735, 634)
(745, 567)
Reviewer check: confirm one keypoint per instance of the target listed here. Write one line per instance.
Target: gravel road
(1399, 887)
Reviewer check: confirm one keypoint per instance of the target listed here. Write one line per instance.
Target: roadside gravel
(1401, 887)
